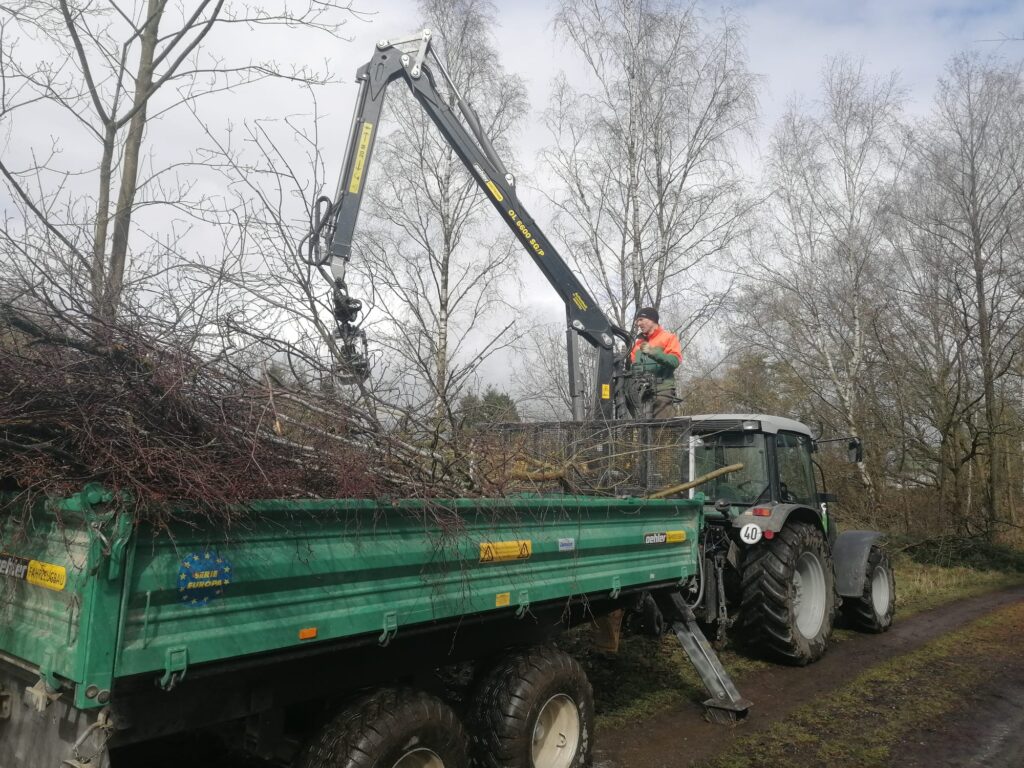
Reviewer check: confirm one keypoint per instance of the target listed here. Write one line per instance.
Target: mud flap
(726, 705)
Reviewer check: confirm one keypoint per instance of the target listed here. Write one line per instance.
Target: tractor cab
(781, 566)
(775, 454)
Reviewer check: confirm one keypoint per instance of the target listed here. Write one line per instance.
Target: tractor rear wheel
(789, 596)
(873, 611)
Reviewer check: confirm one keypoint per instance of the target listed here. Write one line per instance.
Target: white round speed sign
(751, 533)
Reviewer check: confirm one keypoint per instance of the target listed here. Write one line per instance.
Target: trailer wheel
(789, 597)
(873, 611)
(390, 728)
(534, 710)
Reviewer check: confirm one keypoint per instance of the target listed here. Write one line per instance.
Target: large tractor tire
(535, 709)
(789, 595)
(390, 728)
(873, 610)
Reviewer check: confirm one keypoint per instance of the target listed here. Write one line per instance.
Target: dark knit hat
(649, 312)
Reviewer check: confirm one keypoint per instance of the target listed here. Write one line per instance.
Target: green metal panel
(67, 629)
(299, 572)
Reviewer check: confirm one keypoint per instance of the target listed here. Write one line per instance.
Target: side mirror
(855, 450)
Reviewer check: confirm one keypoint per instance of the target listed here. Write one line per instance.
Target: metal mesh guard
(613, 458)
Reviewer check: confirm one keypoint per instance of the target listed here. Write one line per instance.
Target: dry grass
(922, 586)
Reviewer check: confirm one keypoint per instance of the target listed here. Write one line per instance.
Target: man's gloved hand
(645, 347)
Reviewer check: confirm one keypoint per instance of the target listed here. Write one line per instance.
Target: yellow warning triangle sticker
(503, 551)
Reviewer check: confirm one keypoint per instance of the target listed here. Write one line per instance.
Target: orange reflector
(769, 534)
(761, 512)
(307, 634)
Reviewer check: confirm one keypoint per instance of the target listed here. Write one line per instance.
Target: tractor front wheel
(789, 596)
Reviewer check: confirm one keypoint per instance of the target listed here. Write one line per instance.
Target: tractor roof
(730, 421)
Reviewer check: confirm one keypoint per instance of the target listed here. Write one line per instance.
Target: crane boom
(406, 59)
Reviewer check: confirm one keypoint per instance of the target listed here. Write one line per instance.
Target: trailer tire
(535, 709)
(873, 610)
(390, 728)
(789, 595)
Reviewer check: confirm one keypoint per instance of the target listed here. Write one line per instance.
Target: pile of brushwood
(87, 403)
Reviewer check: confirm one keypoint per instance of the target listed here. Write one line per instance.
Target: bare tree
(810, 296)
(84, 84)
(928, 387)
(968, 201)
(542, 374)
(650, 187)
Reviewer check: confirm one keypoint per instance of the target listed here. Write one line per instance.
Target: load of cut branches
(151, 417)
(160, 422)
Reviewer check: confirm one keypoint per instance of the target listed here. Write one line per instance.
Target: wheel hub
(881, 593)
(556, 735)
(809, 594)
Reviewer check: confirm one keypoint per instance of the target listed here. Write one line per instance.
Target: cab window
(745, 486)
(796, 481)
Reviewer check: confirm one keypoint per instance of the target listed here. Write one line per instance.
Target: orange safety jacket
(664, 356)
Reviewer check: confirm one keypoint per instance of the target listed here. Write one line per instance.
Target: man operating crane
(656, 352)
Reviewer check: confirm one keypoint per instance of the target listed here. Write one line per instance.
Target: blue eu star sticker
(203, 577)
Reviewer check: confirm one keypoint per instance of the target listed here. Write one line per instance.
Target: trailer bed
(88, 599)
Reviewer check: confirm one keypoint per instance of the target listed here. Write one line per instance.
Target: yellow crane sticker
(362, 150)
(578, 301)
(495, 191)
(502, 551)
(606, 391)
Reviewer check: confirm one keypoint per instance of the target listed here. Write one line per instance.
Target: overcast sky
(787, 40)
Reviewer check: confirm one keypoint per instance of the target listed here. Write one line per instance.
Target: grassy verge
(922, 586)
(648, 675)
(863, 723)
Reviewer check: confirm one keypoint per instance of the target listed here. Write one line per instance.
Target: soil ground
(988, 730)
(981, 725)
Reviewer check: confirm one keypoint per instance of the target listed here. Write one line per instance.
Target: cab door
(796, 476)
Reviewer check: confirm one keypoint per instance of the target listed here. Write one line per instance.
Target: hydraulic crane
(411, 59)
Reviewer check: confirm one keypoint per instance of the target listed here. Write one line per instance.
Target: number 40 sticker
(751, 533)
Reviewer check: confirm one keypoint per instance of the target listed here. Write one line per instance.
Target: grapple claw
(353, 363)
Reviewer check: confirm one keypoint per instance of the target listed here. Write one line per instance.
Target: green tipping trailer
(113, 634)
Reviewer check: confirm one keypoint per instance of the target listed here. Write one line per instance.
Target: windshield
(745, 486)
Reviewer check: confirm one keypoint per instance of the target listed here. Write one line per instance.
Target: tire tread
(355, 737)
